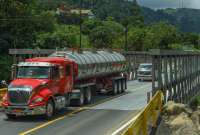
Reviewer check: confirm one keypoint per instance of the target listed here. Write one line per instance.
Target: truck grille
(19, 97)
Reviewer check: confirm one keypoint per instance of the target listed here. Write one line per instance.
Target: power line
(181, 3)
(20, 19)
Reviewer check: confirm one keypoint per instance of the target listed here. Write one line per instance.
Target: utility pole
(182, 3)
(126, 36)
(126, 22)
(80, 12)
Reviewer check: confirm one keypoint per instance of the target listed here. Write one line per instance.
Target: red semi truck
(44, 85)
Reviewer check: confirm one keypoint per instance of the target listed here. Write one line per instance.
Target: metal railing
(177, 74)
(2, 93)
(145, 120)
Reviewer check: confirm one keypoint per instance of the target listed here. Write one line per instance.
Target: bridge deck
(101, 119)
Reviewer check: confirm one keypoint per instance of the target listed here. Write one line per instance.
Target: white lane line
(126, 125)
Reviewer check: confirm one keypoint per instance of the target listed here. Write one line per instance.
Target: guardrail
(177, 74)
(2, 93)
(145, 120)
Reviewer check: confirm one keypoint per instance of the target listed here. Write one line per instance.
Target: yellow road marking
(52, 121)
(68, 114)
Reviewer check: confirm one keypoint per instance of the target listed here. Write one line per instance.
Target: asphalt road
(104, 116)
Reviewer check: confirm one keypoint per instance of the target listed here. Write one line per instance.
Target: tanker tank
(95, 63)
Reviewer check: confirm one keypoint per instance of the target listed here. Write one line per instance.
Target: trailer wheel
(49, 109)
(80, 101)
(10, 116)
(88, 95)
(114, 91)
(68, 100)
(120, 86)
(123, 85)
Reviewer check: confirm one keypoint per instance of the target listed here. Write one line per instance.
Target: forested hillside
(186, 20)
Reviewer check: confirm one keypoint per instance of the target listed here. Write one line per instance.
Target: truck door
(55, 79)
(69, 77)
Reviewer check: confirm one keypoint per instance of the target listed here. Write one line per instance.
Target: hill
(186, 20)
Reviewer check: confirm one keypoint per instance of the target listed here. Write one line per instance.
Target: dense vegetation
(186, 20)
(33, 24)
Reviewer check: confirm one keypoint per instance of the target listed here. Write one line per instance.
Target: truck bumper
(24, 110)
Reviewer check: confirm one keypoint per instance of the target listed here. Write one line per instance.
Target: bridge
(176, 76)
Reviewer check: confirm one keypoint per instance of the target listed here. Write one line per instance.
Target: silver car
(144, 72)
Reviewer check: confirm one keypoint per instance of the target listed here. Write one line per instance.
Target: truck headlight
(37, 100)
(5, 98)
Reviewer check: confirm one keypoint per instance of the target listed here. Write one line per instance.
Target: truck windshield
(33, 72)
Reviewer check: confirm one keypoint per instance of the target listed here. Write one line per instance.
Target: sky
(157, 4)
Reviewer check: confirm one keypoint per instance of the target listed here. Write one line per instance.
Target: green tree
(100, 37)
(136, 39)
(90, 24)
(62, 36)
(120, 10)
(165, 34)
(5, 63)
(105, 35)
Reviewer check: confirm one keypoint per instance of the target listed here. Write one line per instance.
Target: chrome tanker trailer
(46, 84)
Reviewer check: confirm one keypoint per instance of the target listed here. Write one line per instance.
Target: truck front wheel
(49, 109)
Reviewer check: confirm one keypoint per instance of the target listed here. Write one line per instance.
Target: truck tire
(114, 91)
(88, 95)
(123, 85)
(10, 116)
(68, 100)
(80, 101)
(120, 86)
(49, 109)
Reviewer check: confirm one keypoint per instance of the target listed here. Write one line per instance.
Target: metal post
(171, 78)
(126, 37)
(154, 77)
(175, 79)
(148, 97)
(80, 11)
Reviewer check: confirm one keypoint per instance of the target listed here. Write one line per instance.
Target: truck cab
(44, 85)
(40, 86)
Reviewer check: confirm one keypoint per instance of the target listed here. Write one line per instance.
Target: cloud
(194, 4)
(170, 3)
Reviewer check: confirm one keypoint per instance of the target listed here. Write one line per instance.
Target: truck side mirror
(14, 71)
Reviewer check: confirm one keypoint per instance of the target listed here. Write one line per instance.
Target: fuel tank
(94, 63)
